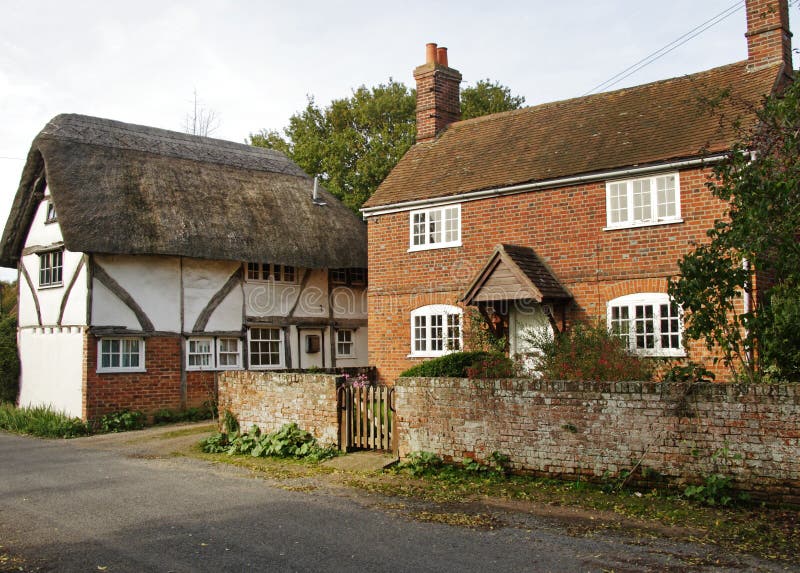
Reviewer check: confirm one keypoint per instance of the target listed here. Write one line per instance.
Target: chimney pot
(430, 53)
(441, 56)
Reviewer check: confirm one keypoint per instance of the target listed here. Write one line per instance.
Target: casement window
(50, 217)
(345, 344)
(649, 323)
(353, 277)
(435, 228)
(51, 265)
(270, 272)
(120, 355)
(207, 353)
(229, 353)
(266, 348)
(644, 201)
(200, 354)
(436, 330)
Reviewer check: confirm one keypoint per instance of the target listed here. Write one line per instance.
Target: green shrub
(167, 416)
(288, 442)
(40, 421)
(121, 421)
(587, 352)
(9, 360)
(453, 365)
(421, 463)
(495, 365)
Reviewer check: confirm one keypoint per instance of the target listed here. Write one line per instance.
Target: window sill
(639, 225)
(662, 354)
(52, 286)
(416, 248)
(120, 370)
(346, 357)
(273, 367)
(430, 354)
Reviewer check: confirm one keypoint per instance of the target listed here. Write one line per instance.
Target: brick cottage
(575, 210)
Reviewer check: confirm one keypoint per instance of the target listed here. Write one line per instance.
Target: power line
(661, 52)
(12, 158)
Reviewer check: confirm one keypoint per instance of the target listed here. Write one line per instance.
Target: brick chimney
(438, 98)
(768, 37)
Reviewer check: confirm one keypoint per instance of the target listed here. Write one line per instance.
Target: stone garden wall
(271, 399)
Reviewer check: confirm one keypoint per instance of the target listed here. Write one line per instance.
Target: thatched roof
(129, 189)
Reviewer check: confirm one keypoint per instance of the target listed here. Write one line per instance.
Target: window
(353, 277)
(51, 213)
(229, 353)
(266, 348)
(435, 228)
(344, 344)
(645, 201)
(120, 355)
(649, 323)
(267, 272)
(200, 354)
(50, 268)
(435, 330)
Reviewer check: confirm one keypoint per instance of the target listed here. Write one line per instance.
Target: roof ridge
(115, 134)
(555, 103)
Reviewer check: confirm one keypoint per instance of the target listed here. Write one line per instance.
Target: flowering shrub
(360, 381)
(587, 352)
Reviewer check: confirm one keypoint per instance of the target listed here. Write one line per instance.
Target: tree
(353, 143)
(758, 239)
(201, 120)
(488, 97)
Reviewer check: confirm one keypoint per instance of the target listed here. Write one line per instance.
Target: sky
(255, 63)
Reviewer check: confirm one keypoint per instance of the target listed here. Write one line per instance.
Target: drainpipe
(746, 304)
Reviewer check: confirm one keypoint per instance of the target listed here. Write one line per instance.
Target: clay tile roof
(120, 188)
(647, 124)
(530, 278)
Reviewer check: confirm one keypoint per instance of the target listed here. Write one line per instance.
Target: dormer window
(644, 201)
(270, 272)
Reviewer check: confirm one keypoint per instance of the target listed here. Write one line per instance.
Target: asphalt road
(64, 507)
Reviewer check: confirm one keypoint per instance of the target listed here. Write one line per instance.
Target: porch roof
(514, 272)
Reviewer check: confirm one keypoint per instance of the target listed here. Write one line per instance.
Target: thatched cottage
(149, 260)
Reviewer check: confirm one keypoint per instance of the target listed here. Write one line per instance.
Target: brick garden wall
(565, 228)
(271, 399)
(570, 429)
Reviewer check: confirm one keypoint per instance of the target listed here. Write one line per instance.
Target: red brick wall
(159, 387)
(564, 226)
(572, 429)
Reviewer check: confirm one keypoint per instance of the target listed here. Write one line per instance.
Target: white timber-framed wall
(141, 297)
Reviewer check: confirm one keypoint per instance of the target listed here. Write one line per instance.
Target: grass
(459, 497)
(40, 421)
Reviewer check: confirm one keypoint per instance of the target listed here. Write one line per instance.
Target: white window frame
(50, 213)
(121, 339)
(656, 300)
(219, 352)
(193, 341)
(433, 322)
(281, 348)
(445, 231)
(653, 195)
(47, 265)
(274, 273)
(351, 343)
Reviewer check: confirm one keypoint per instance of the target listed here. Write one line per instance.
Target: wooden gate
(366, 418)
